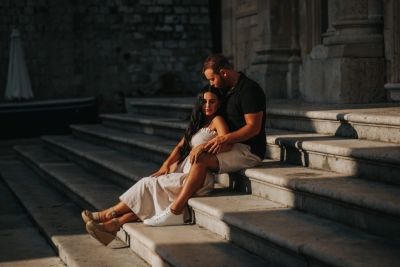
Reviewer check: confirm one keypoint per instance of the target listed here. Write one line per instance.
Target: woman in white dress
(154, 194)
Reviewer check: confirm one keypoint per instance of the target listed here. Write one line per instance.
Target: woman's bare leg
(120, 209)
(194, 181)
(127, 217)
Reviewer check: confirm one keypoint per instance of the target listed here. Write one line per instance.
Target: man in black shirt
(244, 111)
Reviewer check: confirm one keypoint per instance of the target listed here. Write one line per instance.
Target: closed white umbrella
(18, 84)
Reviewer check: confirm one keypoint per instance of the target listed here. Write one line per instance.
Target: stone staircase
(327, 193)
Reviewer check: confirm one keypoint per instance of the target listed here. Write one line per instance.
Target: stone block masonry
(108, 48)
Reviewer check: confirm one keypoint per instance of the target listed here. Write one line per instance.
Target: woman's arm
(218, 125)
(252, 128)
(173, 158)
(222, 129)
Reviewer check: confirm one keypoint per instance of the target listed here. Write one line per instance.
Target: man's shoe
(165, 218)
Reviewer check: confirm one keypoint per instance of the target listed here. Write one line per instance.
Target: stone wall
(108, 48)
(392, 48)
(324, 51)
(350, 65)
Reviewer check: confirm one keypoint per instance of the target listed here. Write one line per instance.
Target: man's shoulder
(248, 82)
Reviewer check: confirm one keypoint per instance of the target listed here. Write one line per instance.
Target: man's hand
(216, 144)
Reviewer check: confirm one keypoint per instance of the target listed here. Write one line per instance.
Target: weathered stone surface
(343, 80)
(87, 37)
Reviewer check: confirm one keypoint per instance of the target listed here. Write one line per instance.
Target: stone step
(281, 235)
(371, 206)
(183, 245)
(379, 161)
(370, 159)
(121, 168)
(378, 122)
(290, 237)
(59, 220)
(149, 147)
(180, 108)
(16, 229)
(166, 127)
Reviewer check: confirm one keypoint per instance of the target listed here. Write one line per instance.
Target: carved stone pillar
(277, 54)
(392, 48)
(349, 67)
(228, 33)
(333, 15)
(359, 30)
(309, 25)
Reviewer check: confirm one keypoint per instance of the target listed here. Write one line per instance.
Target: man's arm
(252, 128)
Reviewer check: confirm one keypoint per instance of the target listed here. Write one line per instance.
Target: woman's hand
(162, 171)
(195, 152)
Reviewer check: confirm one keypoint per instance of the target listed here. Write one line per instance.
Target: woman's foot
(103, 232)
(165, 218)
(99, 217)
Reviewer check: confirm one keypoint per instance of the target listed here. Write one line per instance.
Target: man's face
(216, 80)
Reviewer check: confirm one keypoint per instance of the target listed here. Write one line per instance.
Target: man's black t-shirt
(246, 97)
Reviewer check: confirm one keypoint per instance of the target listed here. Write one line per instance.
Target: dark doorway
(215, 22)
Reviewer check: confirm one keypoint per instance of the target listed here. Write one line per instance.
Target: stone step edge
(145, 247)
(147, 120)
(185, 106)
(352, 117)
(128, 234)
(315, 195)
(386, 213)
(271, 141)
(310, 145)
(310, 252)
(122, 236)
(254, 174)
(298, 185)
(328, 115)
(149, 146)
(59, 148)
(64, 249)
(139, 231)
(170, 99)
(327, 149)
(337, 199)
(363, 218)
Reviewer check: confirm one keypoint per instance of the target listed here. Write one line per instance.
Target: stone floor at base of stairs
(21, 244)
(59, 221)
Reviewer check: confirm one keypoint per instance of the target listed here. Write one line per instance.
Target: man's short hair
(216, 62)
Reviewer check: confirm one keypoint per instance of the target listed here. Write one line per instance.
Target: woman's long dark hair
(196, 119)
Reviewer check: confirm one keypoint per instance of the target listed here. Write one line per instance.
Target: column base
(393, 91)
(342, 80)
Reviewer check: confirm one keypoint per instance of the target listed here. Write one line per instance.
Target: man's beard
(224, 84)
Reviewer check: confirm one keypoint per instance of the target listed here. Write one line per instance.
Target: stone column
(359, 30)
(333, 14)
(350, 66)
(310, 25)
(227, 30)
(392, 48)
(277, 56)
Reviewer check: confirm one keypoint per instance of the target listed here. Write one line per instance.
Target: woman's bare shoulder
(217, 122)
(218, 119)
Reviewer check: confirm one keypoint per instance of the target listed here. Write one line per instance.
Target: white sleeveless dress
(152, 195)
